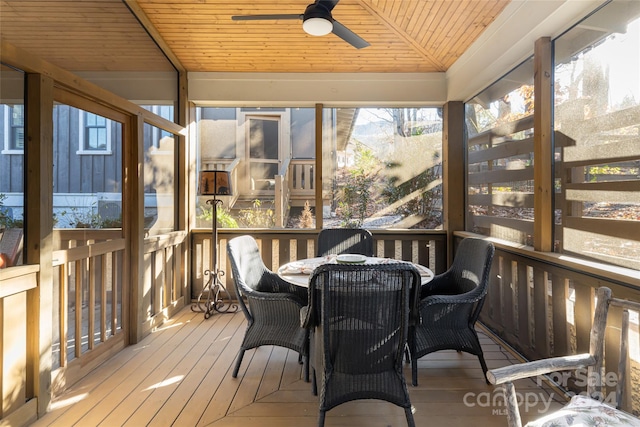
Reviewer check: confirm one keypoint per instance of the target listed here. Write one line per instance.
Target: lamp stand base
(217, 297)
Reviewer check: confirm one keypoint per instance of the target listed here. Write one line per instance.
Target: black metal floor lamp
(214, 183)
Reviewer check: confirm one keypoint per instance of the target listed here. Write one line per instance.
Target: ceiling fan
(316, 21)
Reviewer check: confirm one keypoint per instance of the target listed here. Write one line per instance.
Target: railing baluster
(63, 305)
(103, 298)
(78, 309)
(91, 301)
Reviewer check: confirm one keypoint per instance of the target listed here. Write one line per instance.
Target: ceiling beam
(390, 24)
(142, 17)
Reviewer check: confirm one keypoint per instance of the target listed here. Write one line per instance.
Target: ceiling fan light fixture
(317, 26)
(317, 20)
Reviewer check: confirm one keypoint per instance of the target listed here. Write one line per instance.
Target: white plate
(351, 258)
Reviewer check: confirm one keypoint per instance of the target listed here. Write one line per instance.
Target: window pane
(597, 129)
(11, 166)
(254, 144)
(159, 180)
(500, 158)
(95, 132)
(382, 168)
(87, 186)
(371, 175)
(17, 127)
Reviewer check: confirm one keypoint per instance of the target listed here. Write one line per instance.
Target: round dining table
(298, 272)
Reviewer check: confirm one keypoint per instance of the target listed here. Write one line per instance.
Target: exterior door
(263, 146)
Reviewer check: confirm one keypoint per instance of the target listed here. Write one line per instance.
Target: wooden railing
(294, 184)
(164, 291)
(302, 180)
(277, 247)
(87, 300)
(542, 304)
(86, 311)
(18, 338)
(91, 299)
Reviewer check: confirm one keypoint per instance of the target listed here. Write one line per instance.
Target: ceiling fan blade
(266, 17)
(349, 36)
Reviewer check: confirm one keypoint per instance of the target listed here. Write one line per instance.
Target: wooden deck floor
(180, 375)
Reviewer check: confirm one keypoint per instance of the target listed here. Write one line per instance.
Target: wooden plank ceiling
(199, 35)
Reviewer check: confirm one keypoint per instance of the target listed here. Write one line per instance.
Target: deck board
(180, 375)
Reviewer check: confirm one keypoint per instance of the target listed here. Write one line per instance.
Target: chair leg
(306, 368)
(238, 362)
(484, 366)
(478, 352)
(321, 418)
(409, 414)
(414, 371)
(314, 383)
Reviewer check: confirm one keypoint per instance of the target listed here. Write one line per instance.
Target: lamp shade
(214, 183)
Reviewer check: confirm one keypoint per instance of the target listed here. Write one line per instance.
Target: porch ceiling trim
(308, 89)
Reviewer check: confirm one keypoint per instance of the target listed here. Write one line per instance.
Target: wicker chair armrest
(539, 367)
(466, 298)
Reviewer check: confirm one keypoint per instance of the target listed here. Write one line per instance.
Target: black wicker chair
(450, 304)
(273, 305)
(345, 241)
(359, 317)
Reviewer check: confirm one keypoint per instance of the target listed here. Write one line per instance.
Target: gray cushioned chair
(272, 306)
(359, 317)
(345, 241)
(450, 304)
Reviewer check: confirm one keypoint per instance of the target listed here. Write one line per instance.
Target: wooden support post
(38, 226)
(454, 156)
(185, 200)
(138, 291)
(543, 147)
(318, 174)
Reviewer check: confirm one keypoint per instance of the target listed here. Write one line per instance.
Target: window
(12, 163)
(13, 125)
(371, 175)
(499, 124)
(16, 140)
(597, 137)
(95, 134)
(382, 168)
(87, 183)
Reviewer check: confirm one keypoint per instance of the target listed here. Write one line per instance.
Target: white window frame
(7, 111)
(81, 138)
